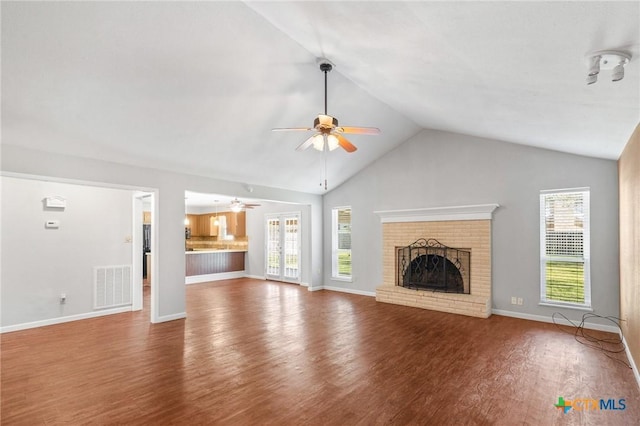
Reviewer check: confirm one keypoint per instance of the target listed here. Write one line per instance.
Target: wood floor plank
(260, 352)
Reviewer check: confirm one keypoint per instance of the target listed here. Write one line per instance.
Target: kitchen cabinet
(213, 227)
(147, 259)
(236, 223)
(203, 225)
(193, 225)
(242, 224)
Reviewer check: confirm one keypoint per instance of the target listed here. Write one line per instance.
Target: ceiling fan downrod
(325, 67)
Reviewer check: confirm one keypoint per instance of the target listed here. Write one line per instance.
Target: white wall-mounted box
(55, 202)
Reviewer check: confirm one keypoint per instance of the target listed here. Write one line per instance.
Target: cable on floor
(607, 346)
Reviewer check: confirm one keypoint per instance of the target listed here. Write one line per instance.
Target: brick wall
(468, 234)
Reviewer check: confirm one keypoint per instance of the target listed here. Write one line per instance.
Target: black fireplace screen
(430, 265)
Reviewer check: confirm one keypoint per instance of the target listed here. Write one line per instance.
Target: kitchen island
(213, 264)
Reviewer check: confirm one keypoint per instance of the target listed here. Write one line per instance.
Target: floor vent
(111, 286)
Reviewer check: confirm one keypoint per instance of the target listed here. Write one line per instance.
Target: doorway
(282, 247)
(144, 239)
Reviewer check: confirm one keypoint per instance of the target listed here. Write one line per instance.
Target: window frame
(335, 250)
(586, 250)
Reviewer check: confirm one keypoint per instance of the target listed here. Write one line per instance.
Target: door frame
(281, 217)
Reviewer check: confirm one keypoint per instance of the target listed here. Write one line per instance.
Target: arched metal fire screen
(429, 265)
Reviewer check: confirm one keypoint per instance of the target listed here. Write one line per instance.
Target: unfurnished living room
(336, 213)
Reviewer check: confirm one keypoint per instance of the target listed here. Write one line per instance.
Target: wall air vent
(112, 286)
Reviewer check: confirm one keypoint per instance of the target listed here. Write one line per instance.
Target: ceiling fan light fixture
(328, 134)
(332, 142)
(318, 142)
(236, 208)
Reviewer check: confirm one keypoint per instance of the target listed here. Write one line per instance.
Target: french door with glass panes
(282, 260)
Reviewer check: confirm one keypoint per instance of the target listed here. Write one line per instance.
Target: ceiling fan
(237, 206)
(328, 134)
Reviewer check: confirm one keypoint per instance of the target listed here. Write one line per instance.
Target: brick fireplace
(467, 227)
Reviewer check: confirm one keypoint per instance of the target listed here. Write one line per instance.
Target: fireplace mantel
(435, 214)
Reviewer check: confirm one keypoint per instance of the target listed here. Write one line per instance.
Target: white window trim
(586, 253)
(334, 246)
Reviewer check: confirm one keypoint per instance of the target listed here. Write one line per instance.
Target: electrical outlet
(514, 301)
(520, 301)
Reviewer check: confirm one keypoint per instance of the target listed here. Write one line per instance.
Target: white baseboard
(316, 288)
(350, 290)
(634, 367)
(195, 279)
(561, 321)
(60, 320)
(256, 277)
(172, 317)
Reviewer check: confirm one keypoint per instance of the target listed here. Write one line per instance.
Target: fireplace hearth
(429, 265)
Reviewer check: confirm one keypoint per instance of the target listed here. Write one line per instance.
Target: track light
(618, 72)
(607, 60)
(594, 67)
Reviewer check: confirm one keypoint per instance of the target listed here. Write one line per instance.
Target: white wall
(435, 169)
(169, 210)
(255, 266)
(39, 264)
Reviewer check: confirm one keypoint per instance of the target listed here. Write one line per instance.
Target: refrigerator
(146, 247)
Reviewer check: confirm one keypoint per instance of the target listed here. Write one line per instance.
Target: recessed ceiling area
(196, 87)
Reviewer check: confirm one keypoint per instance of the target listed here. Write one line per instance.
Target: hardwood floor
(260, 352)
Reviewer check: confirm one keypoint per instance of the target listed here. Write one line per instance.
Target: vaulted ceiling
(196, 87)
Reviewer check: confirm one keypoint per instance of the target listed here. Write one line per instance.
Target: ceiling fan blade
(306, 144)
(361, 130)
(345, 144)
(289, 129)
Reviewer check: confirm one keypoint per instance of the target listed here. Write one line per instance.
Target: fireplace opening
(429, 265)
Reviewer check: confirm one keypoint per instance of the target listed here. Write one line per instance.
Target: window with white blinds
(341, 243)
(564, 247)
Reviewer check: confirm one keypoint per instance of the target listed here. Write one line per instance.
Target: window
(341, 243)
(564, 247)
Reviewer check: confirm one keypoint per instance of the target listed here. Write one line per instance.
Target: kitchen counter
(201, 251)
(206, 262)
